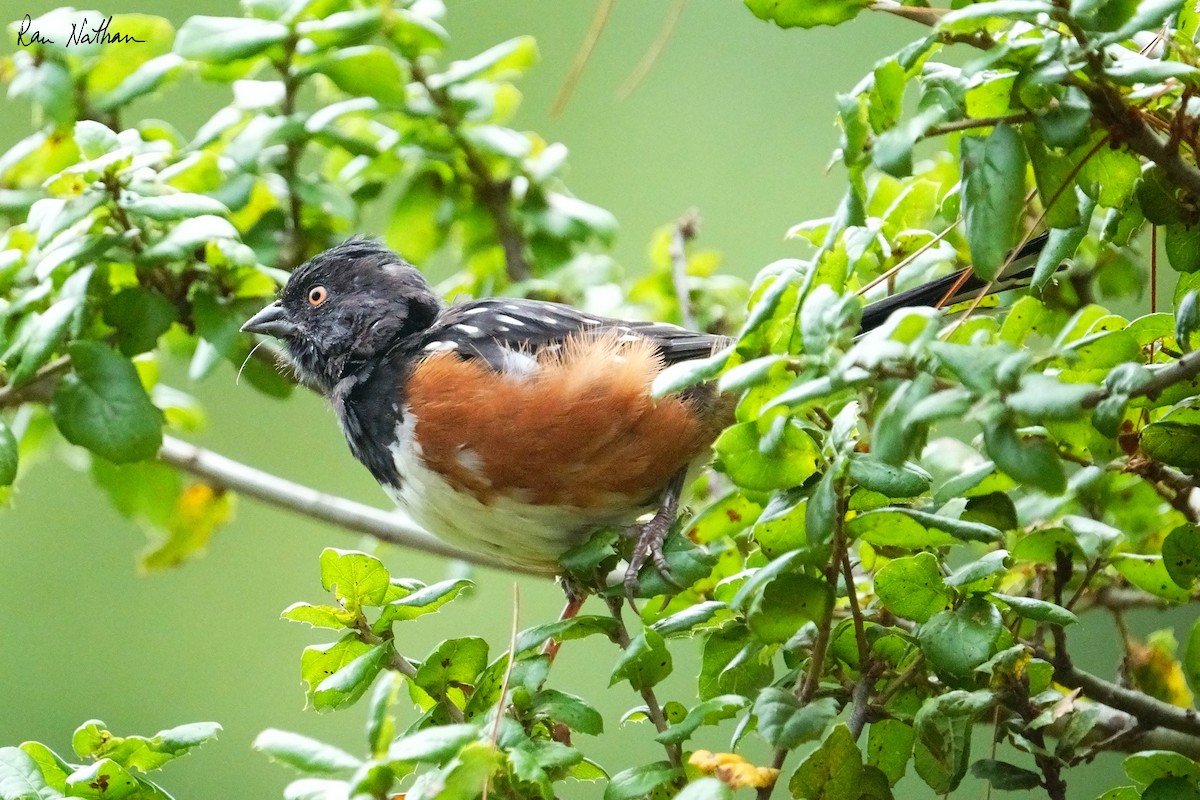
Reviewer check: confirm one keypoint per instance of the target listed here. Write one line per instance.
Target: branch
(39, 388)
(685, 231)
(493, 194)
(1127, 125)
(392, 527)
(1184, 369)
(1123, 734)
(1149, 712)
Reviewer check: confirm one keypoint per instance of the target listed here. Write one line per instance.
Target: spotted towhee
(508, 426)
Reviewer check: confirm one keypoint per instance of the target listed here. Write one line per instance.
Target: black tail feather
(934, 292)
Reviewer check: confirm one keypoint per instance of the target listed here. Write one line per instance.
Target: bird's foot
(649, 536)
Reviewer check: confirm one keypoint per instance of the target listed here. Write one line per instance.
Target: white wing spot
(513, 362)
(516, 323)
(469, 330)
(441, 346)
(476, 310)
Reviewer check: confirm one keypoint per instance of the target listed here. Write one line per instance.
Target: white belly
(523, 535)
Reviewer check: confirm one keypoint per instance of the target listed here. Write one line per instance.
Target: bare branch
(392, 527)
(1148, 711)
(685, 230)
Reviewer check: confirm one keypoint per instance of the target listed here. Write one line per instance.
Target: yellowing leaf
(199, 511)
(733, 770)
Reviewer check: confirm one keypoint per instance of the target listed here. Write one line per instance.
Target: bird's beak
(271, 321)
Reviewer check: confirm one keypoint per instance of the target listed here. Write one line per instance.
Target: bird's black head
(344, 308)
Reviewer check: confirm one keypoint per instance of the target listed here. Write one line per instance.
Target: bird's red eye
(317, 295)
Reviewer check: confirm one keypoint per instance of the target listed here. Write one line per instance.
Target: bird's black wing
(507, 332)
(938, 291)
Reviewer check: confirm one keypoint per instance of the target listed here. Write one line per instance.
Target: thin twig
(494, 194)
(653, 709)
(599, 20)
(981, 122)
(392, 527)
(656, 49)
(40, 388)
(512, 659)
(685, 231)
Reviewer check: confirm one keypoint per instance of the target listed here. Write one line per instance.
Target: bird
(514, 427)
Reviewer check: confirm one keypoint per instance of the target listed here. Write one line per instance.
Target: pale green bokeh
(735, 119)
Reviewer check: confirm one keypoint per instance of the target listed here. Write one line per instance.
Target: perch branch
(392, 527)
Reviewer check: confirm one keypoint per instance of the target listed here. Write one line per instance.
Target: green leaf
(746, 457)
(993, 195)
(732, 661)
(956, 642)
(145, 79)
(44, 337)
(889, 747)
(985, 566)
(189, 235)
(320, 616)
(219, 40)
(306, 755)
(431, 744)
(943, 727)
(705, 789)
(643, 781)
(644, 663)
(351, 680)
(785, 724)
(20, 778)
(806, 13)
(453, 663)
(1191, 658)
(103, 780)
(1032, 461)
(912, 587)
(1045, 398)
(102, 406)
(1004, 776)
(1152, 765)
(785, 604)
(888, 527)
(52, 766)
(572, 711)
(707, 712)
(563, 630)
(1182, 244)
(319, 662)
(8, 455)
(169, 207)
(502, 61)
(140, 317)
(421, 602)
(1174, 443)
(1039, 610)
(527, 775)
(678, 377)
(893, 481)
(1181, 555)
(368, 70)
(1149, 573)
(834, 771)
(694, 619)
(356, 579)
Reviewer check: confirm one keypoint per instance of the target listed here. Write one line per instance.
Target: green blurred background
(735, 120)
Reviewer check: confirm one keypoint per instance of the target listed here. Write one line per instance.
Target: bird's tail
(943, 292)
